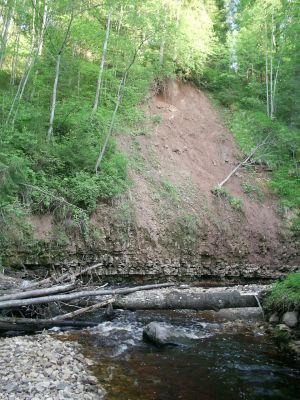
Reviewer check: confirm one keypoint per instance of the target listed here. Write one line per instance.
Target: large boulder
(161, 335)
(290, 318)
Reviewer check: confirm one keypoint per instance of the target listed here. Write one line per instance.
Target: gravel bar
(41, 367)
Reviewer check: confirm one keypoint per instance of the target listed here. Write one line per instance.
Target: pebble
(41, 367)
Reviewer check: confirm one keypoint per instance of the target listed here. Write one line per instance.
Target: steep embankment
(170, 222)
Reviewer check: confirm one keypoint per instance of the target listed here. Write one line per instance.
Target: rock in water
(290, 318)
(156, 334)
(274, 318)
(161, 335)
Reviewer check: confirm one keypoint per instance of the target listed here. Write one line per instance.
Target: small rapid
(217, 360)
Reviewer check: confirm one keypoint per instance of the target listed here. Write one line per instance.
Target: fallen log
(178, 299)
(76, 295)
(61, 278)
(84, 310)
(32, 325)
(37, 292)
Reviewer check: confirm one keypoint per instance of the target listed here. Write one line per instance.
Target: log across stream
(149, 297)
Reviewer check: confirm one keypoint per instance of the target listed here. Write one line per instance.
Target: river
(217, 360)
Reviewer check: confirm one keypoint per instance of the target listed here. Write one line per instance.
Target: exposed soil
(185, 155)
(170, 223)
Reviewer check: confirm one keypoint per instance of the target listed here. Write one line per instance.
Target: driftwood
(66, 276)
(244, 162)
(177, 299)
(76, 295)
(32, 325)
(84, 310)
(37, 292)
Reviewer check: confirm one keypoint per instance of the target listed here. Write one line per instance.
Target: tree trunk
(36, 293)
(84, 310)
(267, 85)
(112, 122)
(15, 59)
(41, 33)
(32, 325)
(178, 299)
(21, 87)
(5, 32)
(31, 60)
(118, 102)
(57, 70)
(76, 295)
(101, 67)
(54, 95)
(271, 72)
(244, 162)
(68, 276)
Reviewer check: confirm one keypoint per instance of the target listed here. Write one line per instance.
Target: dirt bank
(169, 222)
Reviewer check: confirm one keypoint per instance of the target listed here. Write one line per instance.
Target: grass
(253, 191)
(235, 202)
(285, 295)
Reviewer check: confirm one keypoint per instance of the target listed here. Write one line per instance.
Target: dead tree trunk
(32, 325)
(76, 295)
(84, 310)
(36, 293)
(180, 300)
(68, 276)
(244, 162)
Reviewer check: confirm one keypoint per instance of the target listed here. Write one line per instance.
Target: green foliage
(263, 30)
(14, 225)
(169, 190)
(285, 295)
(253, 190)
(188, 230)
(281, 153)
(156, 119)
(59, 176)
(235, 202)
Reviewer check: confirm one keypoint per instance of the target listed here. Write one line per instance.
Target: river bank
(41, 367)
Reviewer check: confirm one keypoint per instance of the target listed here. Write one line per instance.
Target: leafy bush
(285, 295)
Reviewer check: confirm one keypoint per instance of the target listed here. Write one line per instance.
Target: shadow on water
(212, 364)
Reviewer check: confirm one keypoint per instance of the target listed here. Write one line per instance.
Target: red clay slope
(186, 153)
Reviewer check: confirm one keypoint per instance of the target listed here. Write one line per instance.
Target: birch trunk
(101, 67)
(5, 32)
(267, 84)
(54, 96)
(21, 87)
(15, 60)
(178, 11)
(40, 44)
(271, 73)
(31, 60)
(57, 71)
(163, 39)
(112, 123)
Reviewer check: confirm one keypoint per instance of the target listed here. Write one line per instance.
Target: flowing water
(216, 361)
